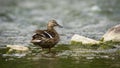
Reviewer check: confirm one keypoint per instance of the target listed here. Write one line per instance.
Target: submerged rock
(83, 40)
(18, 48)
(113, 34)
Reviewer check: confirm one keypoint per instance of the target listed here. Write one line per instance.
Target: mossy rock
(108, 45)
(17, 49)
(3, 50)
(102, 45)
(75, 44)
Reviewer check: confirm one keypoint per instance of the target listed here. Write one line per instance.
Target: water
(62, 62)
(90, 18)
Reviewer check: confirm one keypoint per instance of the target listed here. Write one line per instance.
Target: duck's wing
(45, 33)
(42, 35)
(49, 34)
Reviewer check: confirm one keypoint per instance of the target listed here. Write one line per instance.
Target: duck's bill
(60, 26)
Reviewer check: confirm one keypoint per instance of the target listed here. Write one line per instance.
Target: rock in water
(113, 34)
(83, 40)
(18, 48)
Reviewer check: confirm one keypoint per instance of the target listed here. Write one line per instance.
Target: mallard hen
(46, 38)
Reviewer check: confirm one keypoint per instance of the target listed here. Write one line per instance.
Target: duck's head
(53, 23)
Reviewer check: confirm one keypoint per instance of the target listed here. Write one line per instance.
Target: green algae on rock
(84, 42)
(75, 45)
(108, 45)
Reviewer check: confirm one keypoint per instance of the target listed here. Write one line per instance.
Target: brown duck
(46, 38)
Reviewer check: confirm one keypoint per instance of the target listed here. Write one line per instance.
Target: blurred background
(90, 18)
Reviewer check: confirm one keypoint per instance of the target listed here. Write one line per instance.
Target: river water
(90, 18)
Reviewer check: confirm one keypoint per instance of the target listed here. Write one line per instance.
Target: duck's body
(46, 38)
